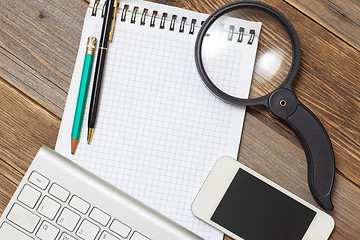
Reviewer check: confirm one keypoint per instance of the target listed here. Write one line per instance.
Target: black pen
(106, 36)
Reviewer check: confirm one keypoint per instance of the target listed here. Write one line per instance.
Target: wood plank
(38, 47)
(342, 18)
(24, 127)
(9, 180)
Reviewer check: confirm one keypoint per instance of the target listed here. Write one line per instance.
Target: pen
(106, 36)
(83, 89)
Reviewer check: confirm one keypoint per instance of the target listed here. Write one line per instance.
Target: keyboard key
(59, 192)
(66, 236)
(107, 236)
(47, 231)
(120, 228)
(39, 180)
(48, 208)
(79, 204)
(138, 236)
(29, 196)
(87, 230)
(23, 218)
(8, 232)
(99, 216)
(68, 219)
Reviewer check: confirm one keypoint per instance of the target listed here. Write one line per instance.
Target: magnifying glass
(276, 65)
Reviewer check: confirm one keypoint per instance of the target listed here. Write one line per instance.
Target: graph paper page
(159, 130)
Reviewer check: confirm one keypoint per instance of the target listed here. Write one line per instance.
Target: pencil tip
(90, 135)
(74, 143)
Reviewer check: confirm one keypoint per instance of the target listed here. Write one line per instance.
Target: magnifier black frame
(295, 43)
(309, 129)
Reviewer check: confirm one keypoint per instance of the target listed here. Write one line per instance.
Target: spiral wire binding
(95, 7)
(192, 26)
(153, 17)
(231, 32)
(182, 24)
(123, 14)
(252, 37)
(103, 10)
(133, 15)
(135, 11)
(162, 22)
(172, 23)
(241, 34)
(143, 16)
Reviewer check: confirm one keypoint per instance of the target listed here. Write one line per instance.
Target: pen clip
(113, 21)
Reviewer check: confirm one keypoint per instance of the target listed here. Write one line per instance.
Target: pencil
(83, 89)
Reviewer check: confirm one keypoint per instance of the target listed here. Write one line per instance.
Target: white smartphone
(245, 205)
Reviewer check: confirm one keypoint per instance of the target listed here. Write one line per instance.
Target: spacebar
(9, 232)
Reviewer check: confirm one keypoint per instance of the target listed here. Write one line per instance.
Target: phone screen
(252, 209)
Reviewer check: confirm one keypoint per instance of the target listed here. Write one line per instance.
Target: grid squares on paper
(159, 129)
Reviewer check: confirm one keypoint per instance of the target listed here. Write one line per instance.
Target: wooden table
(38, 47)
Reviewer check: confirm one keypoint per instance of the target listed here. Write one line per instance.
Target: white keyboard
(58, 200)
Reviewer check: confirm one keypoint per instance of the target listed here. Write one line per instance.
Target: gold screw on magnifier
(283, 103)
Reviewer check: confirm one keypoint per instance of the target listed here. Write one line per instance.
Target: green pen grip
(81, 100)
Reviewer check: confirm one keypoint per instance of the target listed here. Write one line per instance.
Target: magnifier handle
(315, 141)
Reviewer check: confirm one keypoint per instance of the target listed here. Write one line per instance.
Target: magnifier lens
(227, 48)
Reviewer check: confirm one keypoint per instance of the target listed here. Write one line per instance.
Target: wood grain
(342, 18)
(38, 47)
(24, 127)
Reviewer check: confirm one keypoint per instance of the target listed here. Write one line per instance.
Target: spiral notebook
(159, 129)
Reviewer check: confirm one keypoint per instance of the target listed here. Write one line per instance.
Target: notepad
(159, 129)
